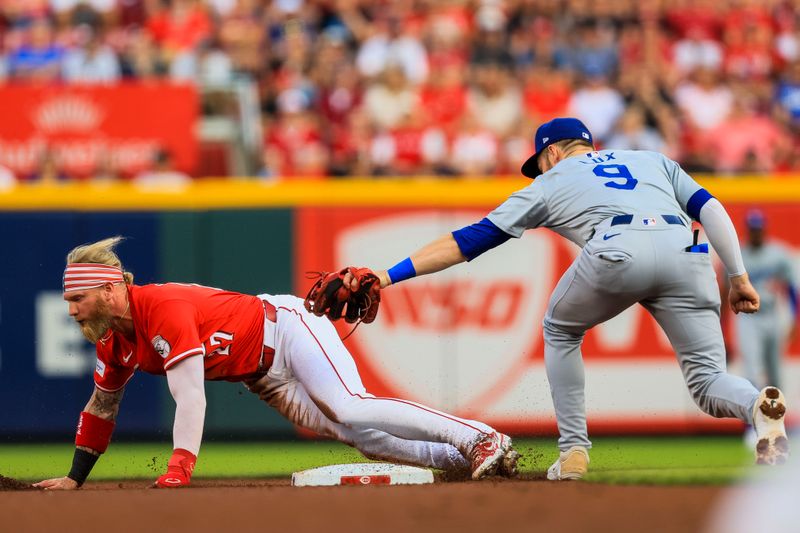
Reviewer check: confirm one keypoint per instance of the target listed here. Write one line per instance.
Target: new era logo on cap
(551, 132)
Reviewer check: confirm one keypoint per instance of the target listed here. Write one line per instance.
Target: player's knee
(554, 332)
(341, 411)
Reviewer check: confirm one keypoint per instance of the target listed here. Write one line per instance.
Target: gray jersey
(770, 270)
(649, 261)
(581, 191)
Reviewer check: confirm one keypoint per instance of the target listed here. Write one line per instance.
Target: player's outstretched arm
(186, 382)
(433, 257)
(95, 427)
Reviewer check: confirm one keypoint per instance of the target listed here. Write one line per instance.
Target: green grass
(668, 460)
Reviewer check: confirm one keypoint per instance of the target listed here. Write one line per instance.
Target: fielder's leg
(751, 348)
(290, 398)
(773, 349)
(586, 295)
(687, 309)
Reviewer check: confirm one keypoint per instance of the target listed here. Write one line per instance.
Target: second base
(362, 474)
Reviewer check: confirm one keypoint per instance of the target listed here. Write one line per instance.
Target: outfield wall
(466, 340)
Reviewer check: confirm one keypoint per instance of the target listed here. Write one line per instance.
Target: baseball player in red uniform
(293, 360)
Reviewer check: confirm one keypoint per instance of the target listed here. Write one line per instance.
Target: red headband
(82, 276)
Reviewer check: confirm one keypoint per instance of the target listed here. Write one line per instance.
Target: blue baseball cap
(755, 219)
(548, 133)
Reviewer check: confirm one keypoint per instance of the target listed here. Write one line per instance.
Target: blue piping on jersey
(696, 203)
(480, 237)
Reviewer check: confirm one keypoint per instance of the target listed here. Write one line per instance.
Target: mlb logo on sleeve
(649, 221)
(161, 346)
(100, 368)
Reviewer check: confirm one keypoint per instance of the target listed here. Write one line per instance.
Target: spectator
(209, 66)
(598, 105)
(705, 101)
(547, 93)
(494, 99)
(746, 138)
(7, 178)
(491, 49)
(90, 61)
(242, 34)
(77, 12)
(697, 51)
(516, 148)
(295, 135)
(390, 99)
(475, 149)
(632, 133)
(391, 43)
(142, 58)
(411, 147)
(749, 53)
(179, 26)
(787, 98)
(162, 173)
(594, 54)
(444, 97)
(39, 57)
(48, 171)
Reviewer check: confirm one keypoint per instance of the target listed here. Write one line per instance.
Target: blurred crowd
(448, 87)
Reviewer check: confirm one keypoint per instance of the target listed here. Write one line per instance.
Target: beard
(96, 327)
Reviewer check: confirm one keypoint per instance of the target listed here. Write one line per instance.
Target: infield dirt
(273, 505)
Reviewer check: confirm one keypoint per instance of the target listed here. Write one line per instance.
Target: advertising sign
(83, 128)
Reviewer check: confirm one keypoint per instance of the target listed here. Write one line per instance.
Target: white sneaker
(772, 446)
(571, 464)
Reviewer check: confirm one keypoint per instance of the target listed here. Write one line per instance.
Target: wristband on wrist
(82, 464)
(93, 432)
(402, 271)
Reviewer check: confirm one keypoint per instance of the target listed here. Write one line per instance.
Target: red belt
(270, 312)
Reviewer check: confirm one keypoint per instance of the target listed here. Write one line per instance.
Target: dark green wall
(246, 251)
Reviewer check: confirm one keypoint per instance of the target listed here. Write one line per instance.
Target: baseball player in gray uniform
(630, 213)
(762, 337)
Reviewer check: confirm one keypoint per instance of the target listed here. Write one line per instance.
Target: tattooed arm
(103, 405)
(95, 426)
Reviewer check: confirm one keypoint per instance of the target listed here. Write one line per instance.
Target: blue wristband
(402, 271)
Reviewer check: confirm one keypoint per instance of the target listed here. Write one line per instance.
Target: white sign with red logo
(445, 338)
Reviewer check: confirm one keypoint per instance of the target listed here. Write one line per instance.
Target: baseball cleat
(508, 466)
(772, 446)
(487, 454)
(571, 464)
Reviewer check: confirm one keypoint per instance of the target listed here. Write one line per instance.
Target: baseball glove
(329, 296)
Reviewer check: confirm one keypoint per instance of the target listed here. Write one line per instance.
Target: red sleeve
(173, 331)
(109, 374)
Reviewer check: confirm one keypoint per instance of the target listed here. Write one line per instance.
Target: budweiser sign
(68, 113)
(85, 127)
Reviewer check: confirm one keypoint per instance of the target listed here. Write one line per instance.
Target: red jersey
(174, 321)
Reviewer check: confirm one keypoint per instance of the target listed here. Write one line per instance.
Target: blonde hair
(101, 252)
